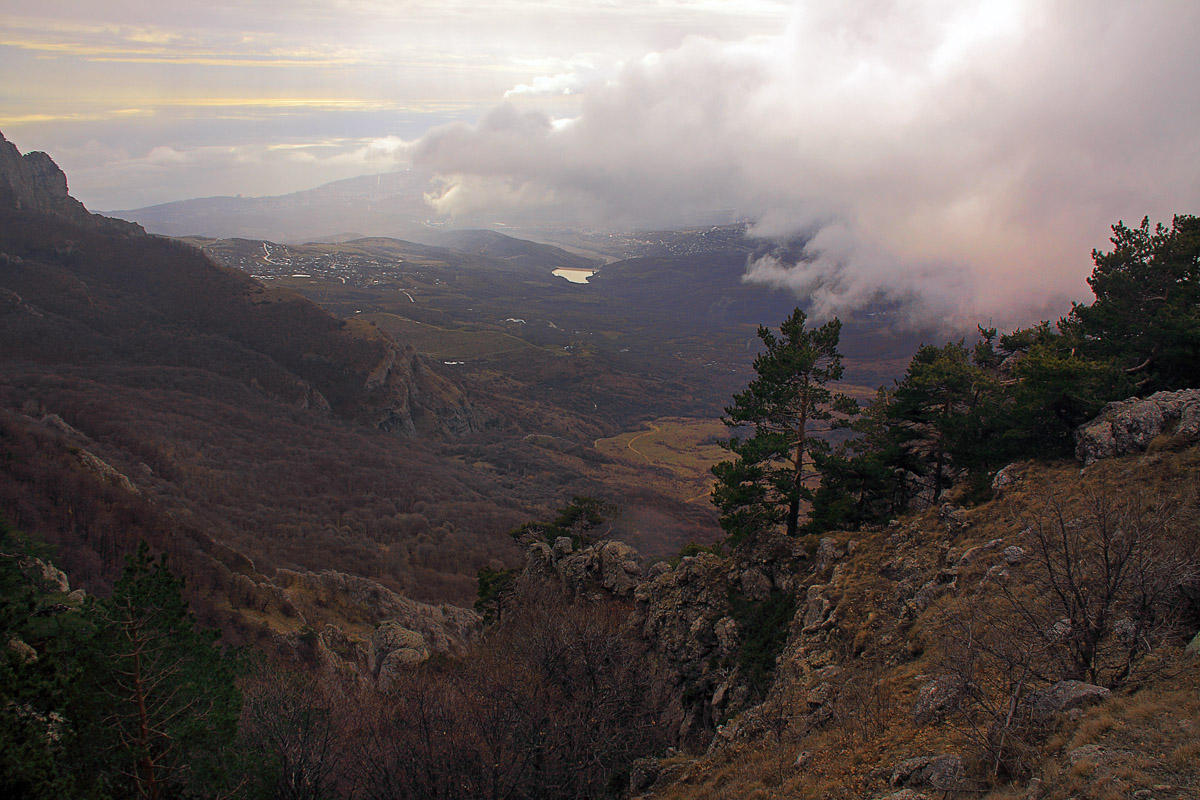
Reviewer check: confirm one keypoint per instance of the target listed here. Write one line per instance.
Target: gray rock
(1005, 479)
(54, 577)
(817, 610)
(936, 698)
(755, 585)
(727, 633)
(944, 772)
(1129, 426)
(563, 546)
(1064, 696)
(1014, 554)
(828, 553)
(642, 774)
(22, 650)
(972, 554)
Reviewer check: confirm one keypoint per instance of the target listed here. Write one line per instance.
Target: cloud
(963, 156)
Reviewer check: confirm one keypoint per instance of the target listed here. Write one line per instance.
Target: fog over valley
(963, 157)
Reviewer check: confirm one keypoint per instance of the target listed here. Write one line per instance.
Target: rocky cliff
(969, 650)
(34, 182)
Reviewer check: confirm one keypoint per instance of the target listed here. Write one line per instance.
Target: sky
(965, 155)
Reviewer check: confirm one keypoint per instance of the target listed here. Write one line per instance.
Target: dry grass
(1148, 734)
(446, 343)
(682, 447)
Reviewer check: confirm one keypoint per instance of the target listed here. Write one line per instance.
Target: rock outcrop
(1128, 426)
(401, 632)
(34, 182)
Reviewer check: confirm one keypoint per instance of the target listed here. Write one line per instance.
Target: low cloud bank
(965, 157)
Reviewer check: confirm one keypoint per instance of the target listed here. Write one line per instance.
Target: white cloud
(966, 154)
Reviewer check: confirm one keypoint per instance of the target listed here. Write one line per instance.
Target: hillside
(1031, 644)
(148, 393)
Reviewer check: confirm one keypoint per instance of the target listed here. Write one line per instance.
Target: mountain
(148, 393)
(387, 204)
(33, 182)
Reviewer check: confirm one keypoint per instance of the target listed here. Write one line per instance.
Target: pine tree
(772, 474)
(157, 704)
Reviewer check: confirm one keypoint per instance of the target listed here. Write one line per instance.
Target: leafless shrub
(1100, 587)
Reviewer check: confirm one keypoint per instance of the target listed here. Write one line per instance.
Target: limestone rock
(23, 651)
(828, 553)
(105, 471)
(445, 628)
(1129, 426)
(755, 585)
(1064, 696)
(1005, 479)
(936, 698)
(817, 610)
(1014, 555)
(33, 182)
(944, 772)
(55, 578)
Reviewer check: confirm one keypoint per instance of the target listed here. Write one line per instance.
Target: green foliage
(33, 678)
(1146, 315)
(764, 630)
(1054, 390)
(155, 701)
(693, 549)
(493, 585)
(861, 480)
(770, 476)
(580, 521)
(939, 410)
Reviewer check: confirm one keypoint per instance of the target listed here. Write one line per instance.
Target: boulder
(1129, 426)
(1064, 696)
(936, 698)
(944, 772)
(55, 578)
(828, 553)
(817, 610)
(1005, 479)
(643, 772)
(755, 585)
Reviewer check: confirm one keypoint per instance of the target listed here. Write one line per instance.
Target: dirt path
(655, 429)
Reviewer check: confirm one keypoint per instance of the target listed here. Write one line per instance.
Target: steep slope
(1029, 646)
(146, 392)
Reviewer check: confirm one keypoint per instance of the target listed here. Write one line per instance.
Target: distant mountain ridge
(387, 204)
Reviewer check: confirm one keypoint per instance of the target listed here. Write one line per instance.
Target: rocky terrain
(935, 657)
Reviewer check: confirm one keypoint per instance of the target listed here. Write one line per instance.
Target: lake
(575, 275)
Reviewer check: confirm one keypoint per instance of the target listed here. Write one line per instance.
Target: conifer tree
(772, 474)
(157, 703)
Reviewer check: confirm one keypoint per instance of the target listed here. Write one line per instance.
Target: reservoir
(575, 275)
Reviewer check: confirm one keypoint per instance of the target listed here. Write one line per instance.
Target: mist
(964, 158)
